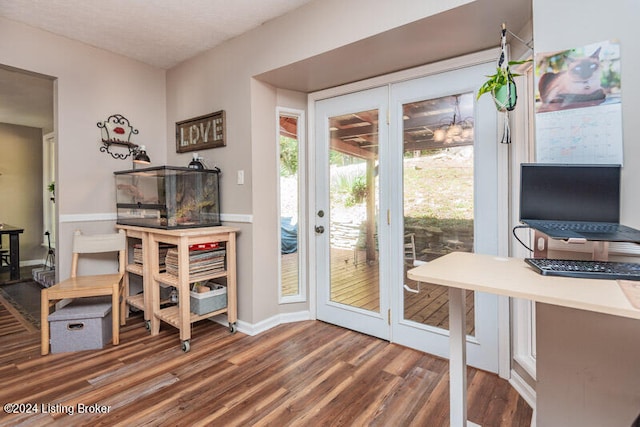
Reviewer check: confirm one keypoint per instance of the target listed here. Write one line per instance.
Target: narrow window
(290, 134)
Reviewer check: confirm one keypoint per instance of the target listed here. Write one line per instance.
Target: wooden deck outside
(355, 283)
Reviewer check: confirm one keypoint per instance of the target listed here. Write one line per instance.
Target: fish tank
(168, 197)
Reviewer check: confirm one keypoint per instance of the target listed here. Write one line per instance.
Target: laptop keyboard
(583, 227)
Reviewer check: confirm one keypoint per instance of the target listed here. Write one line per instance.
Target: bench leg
(115, 313)
(44, 322)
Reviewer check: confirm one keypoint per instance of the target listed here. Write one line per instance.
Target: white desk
(513, 278)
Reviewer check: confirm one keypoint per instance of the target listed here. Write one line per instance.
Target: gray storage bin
(84, 324)
(206, 302)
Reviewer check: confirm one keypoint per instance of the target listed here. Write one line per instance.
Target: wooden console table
(14, 249)
(180, 315)
(513, 278)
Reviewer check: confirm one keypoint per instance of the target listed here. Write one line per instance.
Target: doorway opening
(27, 174)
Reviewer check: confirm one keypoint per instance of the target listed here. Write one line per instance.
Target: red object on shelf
(204, 246)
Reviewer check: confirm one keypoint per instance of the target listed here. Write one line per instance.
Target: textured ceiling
(162, 33)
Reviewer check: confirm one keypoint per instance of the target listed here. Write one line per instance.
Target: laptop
(574, 201)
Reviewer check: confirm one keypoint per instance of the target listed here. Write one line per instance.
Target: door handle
(319, 229)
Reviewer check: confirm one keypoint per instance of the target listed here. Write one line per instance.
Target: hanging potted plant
(502, 87)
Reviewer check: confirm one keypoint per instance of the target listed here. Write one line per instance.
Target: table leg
(151, 261)
(44, 322)
(232, 285)
(115, 313)
(184, 301)
(14, 252)
(458, 359)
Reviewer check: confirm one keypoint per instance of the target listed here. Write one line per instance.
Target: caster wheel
(185, 346)
(232, 328)
(147, 324)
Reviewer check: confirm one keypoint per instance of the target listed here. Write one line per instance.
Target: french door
(351, 239)
(446, 199)
(405, 173)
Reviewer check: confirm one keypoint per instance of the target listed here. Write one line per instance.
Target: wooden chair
(410, 248)
(410, 258)
(89, 286)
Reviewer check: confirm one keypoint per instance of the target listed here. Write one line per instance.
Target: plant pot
(505, 97)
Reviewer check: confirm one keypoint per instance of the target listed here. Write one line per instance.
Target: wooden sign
(201, 133)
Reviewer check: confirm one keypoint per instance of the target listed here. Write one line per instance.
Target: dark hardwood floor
(299, 374)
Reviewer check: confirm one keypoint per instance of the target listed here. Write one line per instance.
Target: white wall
(595, 354)
(573, 23)
(91, 85)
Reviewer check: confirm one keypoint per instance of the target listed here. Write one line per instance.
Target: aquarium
(168, 197)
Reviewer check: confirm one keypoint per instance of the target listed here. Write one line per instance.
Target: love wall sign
(201, 133)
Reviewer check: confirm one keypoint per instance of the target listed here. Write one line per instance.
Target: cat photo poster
(580, 77)
(578, 104)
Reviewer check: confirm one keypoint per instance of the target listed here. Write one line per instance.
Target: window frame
(301, 296)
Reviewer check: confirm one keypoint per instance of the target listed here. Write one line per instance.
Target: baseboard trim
(523, 389)
(264, 325)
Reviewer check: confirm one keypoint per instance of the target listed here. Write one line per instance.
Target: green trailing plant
(501, 78)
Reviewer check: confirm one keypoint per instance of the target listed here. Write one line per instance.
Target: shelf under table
(134, 268)
(136, 301)
(172, 280)
(171, 315)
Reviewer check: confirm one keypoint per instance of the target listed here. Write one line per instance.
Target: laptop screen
(568, 192)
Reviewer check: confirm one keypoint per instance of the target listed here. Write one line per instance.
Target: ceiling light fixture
(457, 130)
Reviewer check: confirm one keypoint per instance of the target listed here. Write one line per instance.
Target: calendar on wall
(578, 105)
(583, 135)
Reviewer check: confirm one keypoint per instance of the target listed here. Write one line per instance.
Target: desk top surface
(514, 278)
(6, 228)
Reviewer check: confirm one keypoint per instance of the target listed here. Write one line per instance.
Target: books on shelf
(162, 248)
(202, 261)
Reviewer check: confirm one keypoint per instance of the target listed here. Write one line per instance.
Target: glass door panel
(353, 184)
(438, 198)
(447, 163)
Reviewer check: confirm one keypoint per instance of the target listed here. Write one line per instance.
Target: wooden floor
(355, 283)
(11, 322)
(299, 374)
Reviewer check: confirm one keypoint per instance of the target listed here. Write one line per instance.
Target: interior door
(351, 135)
(445, 163)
